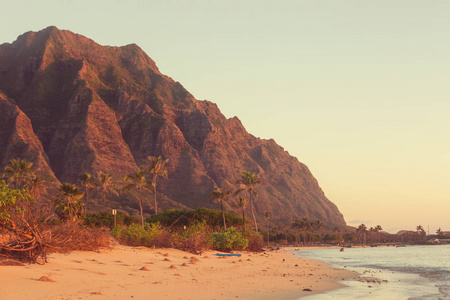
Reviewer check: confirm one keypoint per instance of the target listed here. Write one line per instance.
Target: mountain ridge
(89, 104)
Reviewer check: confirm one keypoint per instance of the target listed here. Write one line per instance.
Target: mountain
(70, 105)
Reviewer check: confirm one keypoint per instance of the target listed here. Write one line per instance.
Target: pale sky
(357, 90)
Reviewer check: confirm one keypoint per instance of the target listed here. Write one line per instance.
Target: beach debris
(46, 279)
(173, 267)
(144, 268)
(157, 282)
(307, 290)
(166, 259)
(248, 259)
(185, 257)
(10, 262)
(184, 265)
(176, 274)
(96, 293)
(206, 256)
(166, 254)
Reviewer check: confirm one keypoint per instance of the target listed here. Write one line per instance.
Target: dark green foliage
(332, 237)
(106, 219)
(193, 239)
(178, 218)
(255, 241)
(136, 235)
(227, 240)
(8, 200)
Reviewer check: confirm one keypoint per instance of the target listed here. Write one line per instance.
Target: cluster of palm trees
(362, 231)
(67, 204)
(247, 182)
(305, 225)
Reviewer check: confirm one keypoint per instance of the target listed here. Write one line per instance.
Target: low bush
(194, 239)
(178, 218)
(68, 237)
(227, 240)
(106, 219)
(255, 241)
(136, 235)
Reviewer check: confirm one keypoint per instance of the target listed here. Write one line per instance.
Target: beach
(142, 273)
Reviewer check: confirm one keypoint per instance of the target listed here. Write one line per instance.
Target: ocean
(412, 272)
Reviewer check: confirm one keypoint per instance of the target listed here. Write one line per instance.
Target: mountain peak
(88, 107)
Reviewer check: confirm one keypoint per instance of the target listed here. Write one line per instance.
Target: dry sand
(142, 273)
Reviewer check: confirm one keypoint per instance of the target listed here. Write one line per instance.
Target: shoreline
(138, 272)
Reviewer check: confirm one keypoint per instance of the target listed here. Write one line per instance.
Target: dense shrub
(136, 235)
(68, 237)
(194, 238)
(255, 241)
(106, 219)
(178, 218)
(227, 240)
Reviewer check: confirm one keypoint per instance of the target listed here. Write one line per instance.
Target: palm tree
(137, 181)
(86, 181)
(317, 225)
(155, 166)
(378, 229)
(220, 195)
(35, 184)
(268, 214)
(248, 181)
(439, 232)
(104, 184)
(242, 203)
(302, 225)
(67, 205)
(362, 229)
(336, 230)
(17, 171)
(372, 231)
(420, 231)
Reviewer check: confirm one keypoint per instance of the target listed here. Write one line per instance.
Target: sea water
(413, 272)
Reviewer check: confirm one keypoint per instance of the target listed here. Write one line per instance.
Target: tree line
(72, 200)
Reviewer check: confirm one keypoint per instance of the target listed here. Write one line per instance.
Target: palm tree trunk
(268, 233)
(253, 211)
(154, 189)
(85, 199)
(243, 218)
(223, 215)
(141, 207)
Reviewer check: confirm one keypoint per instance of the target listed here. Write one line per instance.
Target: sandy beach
(141, 273)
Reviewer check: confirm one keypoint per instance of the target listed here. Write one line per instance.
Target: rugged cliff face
(71, 105)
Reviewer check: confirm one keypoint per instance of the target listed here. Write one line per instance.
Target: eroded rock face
(70, 105)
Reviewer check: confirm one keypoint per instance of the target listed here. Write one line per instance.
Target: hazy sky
(358, 90)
